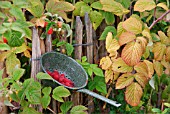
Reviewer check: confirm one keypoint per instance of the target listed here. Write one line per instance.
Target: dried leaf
(167, 54)
(149, 67)
(143, 42)
(163, 5)
(111, 44)
(124, 80)
(143, 5)
(4, 55)
(114, 7)
(159, 50)
(108, 75)
(164, 39)
(133, 25)
(27, 54)
(141, 68)
(116, 75)
(120, 66)
(38, 21)
(105, 62)
(158, 67)
(133, 94)
(141, 79)
(126, 37)
(132, 53)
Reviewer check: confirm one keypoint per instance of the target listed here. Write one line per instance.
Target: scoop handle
(93, 94)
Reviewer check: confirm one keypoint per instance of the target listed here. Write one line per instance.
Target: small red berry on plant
(50, 31)
(5, 40)
(45, 24)
(59, 24)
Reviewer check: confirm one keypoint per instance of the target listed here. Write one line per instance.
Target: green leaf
(157, 110)
(16, 39)
(1, 73)
(21, 3)
(78, 6)
(12, 63)
(46, 90)
(4, 46)
(7, 103)
(2, 29)
(24, 103)
(61, 91)
(28, 110)
(106, 30)
(101, 87)
(65, 107)
(5, 4)
(96, 5)
(88, 1)
(114, 7)
(97, 71)
(84, 59)
(90, 71)
(85, 9)
(109, 17)
(78, 109)
(45, 101)
(17, 13)
(61, 43)
(42, 75)
(36, 9)
(67, 28)
(2, 15)
(14, 97)
(96, 19)
(69, 49)
(18, 73)
(33, 93)
(125, 3)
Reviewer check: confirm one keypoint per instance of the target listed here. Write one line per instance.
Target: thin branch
(160, 18)
(51, 110)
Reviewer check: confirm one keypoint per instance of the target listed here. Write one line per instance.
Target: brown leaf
(159, 50)
(164, 39)
(142, 41)
(132, 53)
(141, 79)
(126, 37)
(167, 66)
(158, 67)
(141, 68)
(119, 65)
(133, 94)
(150, 68)
(124, 80)
(133, 25)
(167, 55)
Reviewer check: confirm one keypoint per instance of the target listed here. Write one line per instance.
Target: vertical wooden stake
(89, 36)
(77, 97)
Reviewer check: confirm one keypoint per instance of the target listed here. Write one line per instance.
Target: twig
(51, 110)
(160, 18)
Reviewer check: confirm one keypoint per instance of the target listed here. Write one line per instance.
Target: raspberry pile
(60, 78)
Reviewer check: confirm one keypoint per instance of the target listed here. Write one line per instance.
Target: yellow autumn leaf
(113, 54)
(164, 39)
(143, 5)
(167, 66)
(27, 54)
(158, 67)
(163, 5)
(124, 80)
(20, 49)
(146, 33)
(111, 44)
(119, 65)
(133, 94)
(12, 63)
(116, 75)
(105, 63)
(126, 37)
(141, 40)
(39, 21)
(149, 67)
(167, 54)
(141, 68)
(4, 55)
(120, 29)
(141, 79)
(114, 7)
(108, 75)
(158, 50)
(133, 25)
(168, 32)
(132, 53)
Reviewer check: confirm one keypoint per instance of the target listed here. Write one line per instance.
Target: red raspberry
(50, 31)
(62, 75)
(56, 77)
(61, 79)
(5, 40)
(59, 24)
(45, 24)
